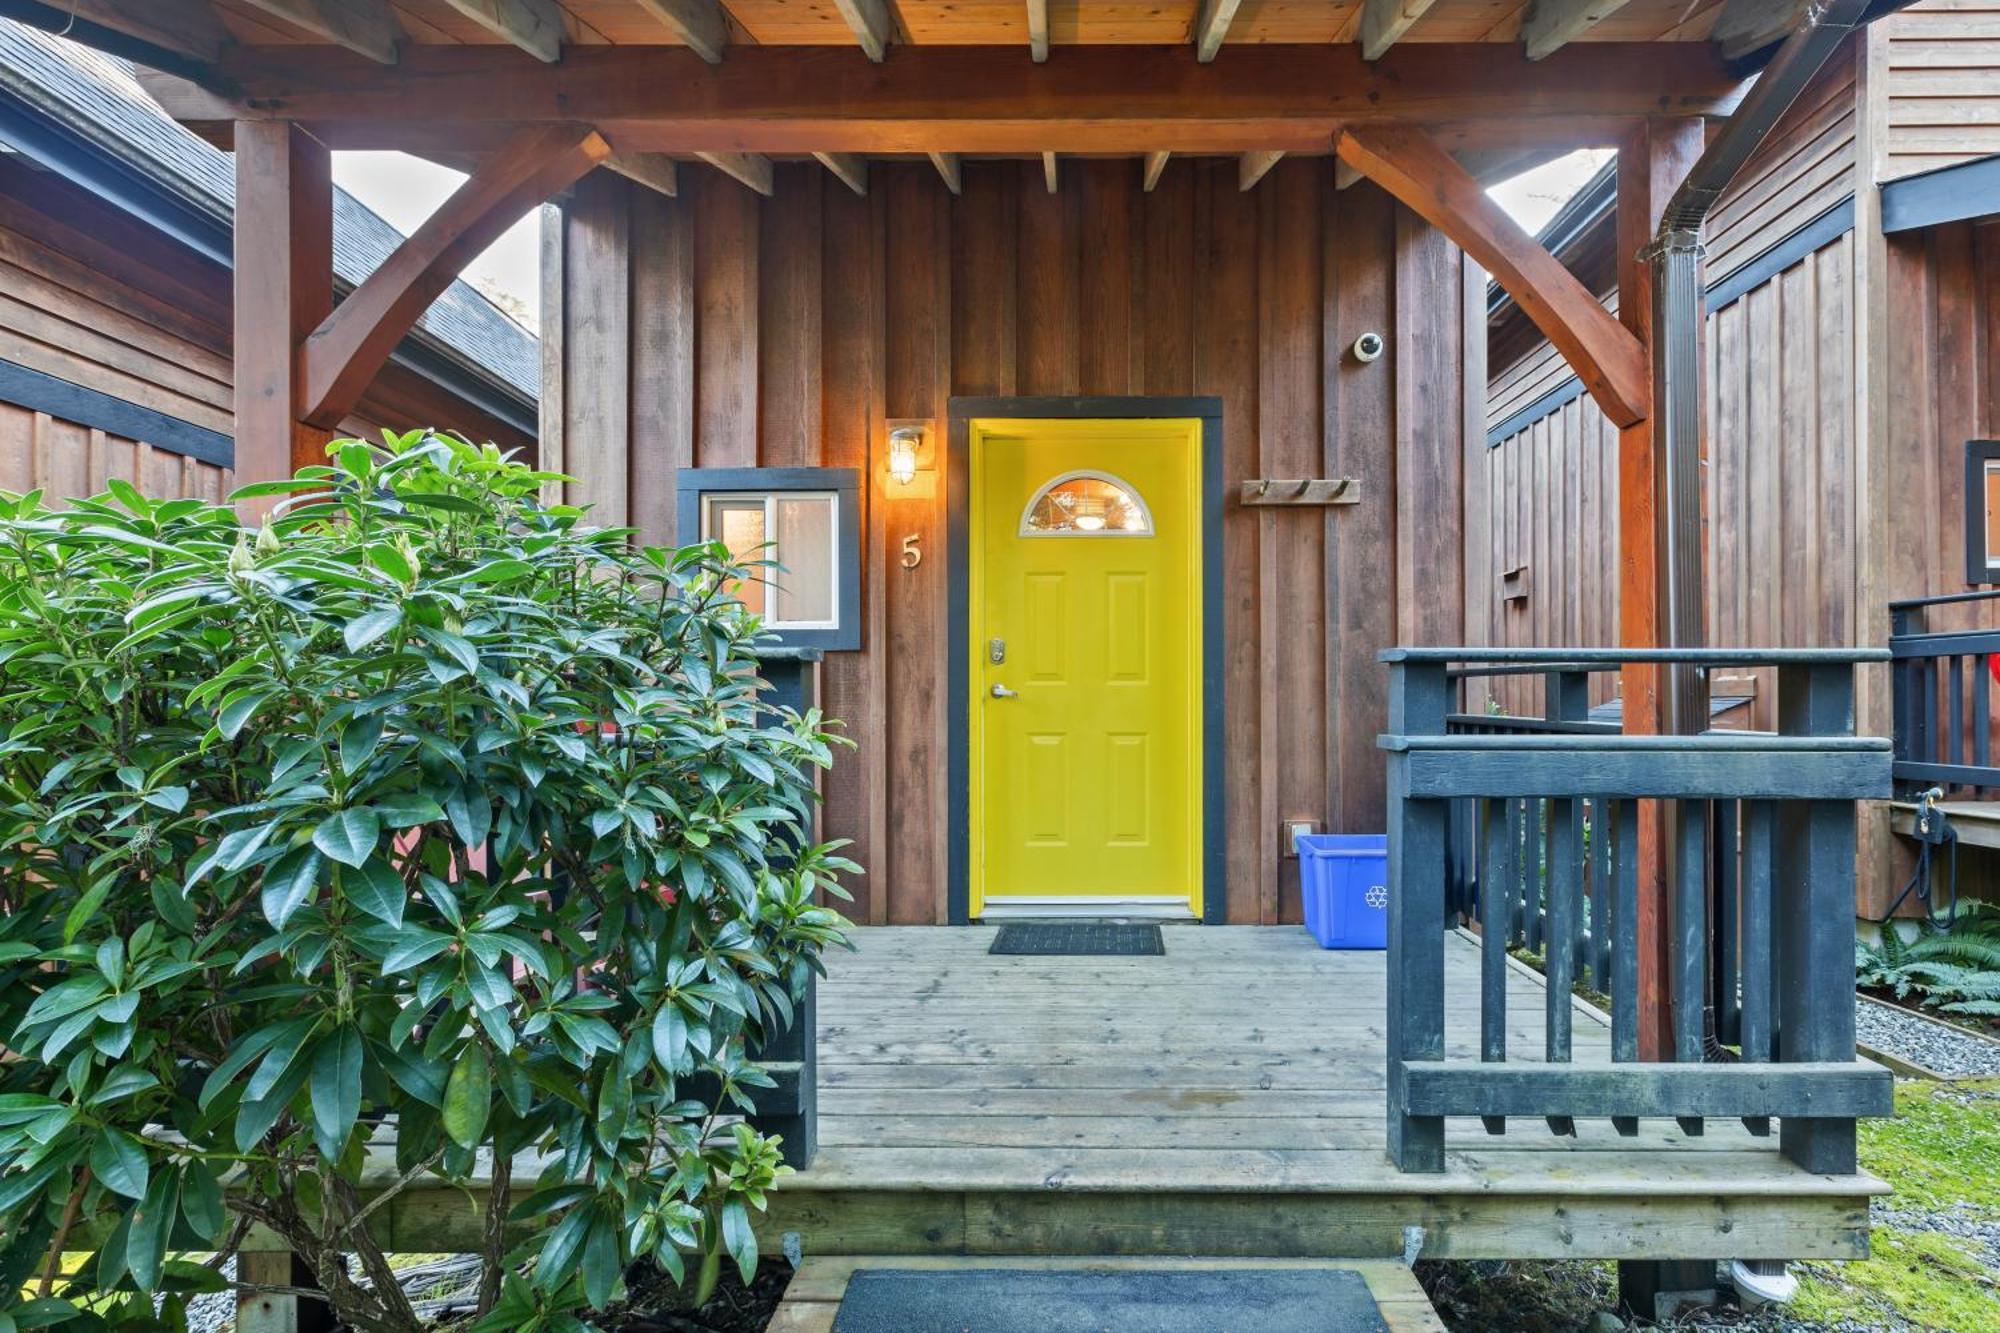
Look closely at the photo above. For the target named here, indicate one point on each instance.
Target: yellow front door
(1084, 607)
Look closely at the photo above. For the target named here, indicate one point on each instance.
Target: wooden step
(813, 1298)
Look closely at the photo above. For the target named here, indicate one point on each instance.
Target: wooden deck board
(1228, 1098)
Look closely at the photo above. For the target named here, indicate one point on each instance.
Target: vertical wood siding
(720, 329)
(1779, 490)
(38, 451)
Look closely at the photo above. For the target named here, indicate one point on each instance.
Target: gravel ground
(1953, 1054)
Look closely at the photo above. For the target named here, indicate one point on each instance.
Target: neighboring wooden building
(1851, 278)
(116, 305)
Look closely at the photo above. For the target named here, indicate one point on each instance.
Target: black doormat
(1003, 1300)
(1079, 939)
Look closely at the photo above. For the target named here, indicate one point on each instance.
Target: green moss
(1921, 1278)
(1942, 1148)
(1941, 1151)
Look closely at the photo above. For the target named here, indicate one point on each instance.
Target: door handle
(1002, 692)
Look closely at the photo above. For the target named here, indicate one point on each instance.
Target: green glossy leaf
(369, 626)
(376, 889)
(336, 1089)
(289, 884)
(468, 1098)
(348, 837)
(740, 1239)
(119, 1162)
(152, 1221)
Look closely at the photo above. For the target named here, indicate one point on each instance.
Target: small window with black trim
(798, 528)
(1982, 512)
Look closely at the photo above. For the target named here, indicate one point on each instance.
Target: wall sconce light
(903, 442)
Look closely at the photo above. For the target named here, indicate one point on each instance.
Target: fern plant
(1957, 971)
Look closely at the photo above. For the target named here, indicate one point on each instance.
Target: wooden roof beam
(1605, 354)
(872, 23)
(1211, 27)
(1552, 24)
(185, 27)
(1095, 99)
(699, 23)
(1155, 164)
(655, 171)
(947, 167)
(339, 359)
(535, 26)
(1383, 23)
(1038, 30)
(1745, 26)
(750, 169)
(1253, 167)
(366, 27)
(851, 168)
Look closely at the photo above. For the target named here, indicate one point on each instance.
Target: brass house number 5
(912, 557)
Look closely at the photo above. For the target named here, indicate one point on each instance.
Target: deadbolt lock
(996, 651)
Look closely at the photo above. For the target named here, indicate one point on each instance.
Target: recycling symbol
(1377, 896)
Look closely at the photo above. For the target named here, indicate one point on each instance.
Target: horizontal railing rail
(1941, 692)
(1545, 833)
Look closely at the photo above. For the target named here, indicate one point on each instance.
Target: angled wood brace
(338, 359)
(1409, 164)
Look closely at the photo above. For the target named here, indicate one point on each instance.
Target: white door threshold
(1163, 908)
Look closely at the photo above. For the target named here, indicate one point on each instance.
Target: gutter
(1678, 299)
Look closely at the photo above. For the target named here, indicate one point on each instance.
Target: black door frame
(962, 412)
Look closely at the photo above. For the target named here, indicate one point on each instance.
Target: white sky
(405, 189)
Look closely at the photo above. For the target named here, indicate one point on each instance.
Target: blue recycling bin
(1345, 882)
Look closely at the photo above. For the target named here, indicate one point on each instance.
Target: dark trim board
(95, 410)
(963, 411)
(1946, 194)
(1739, 282)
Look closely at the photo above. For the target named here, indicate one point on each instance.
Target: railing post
(1813, 917)
(1419, 698)
(791, 1056)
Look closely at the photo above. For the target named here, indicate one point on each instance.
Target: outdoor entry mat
(1208, 1300)
(1079, 939)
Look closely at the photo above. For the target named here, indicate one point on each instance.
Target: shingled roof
(96, 97)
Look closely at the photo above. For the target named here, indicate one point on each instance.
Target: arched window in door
(1086, 504)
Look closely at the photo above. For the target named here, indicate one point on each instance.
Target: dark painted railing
(1942, 693)
(1758, 838)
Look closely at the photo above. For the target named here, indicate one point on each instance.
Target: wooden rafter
(1383, 23)
(655, 171)
(1051, 176)
(185, 27)
(535, 26)
(1155, 164)
(1038, 30)
(1605, 355)
(1553, 23)
(1253, 167)
(699, 23)
(366, 27)
(750, 169)
(947, 167)
(341, 356)
(1745, 26)
(874, 26)
(851, 168)
(1095, 99)
(1211, 27)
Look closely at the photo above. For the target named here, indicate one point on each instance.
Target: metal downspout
(1678, 314)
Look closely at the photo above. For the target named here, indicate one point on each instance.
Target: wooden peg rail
(1301, 491)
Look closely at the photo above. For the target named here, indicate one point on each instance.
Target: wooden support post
(1813, 917)
(1651, 162)
(1419, 698)
(278, 1312)
(797, 1119)
(284, 288)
